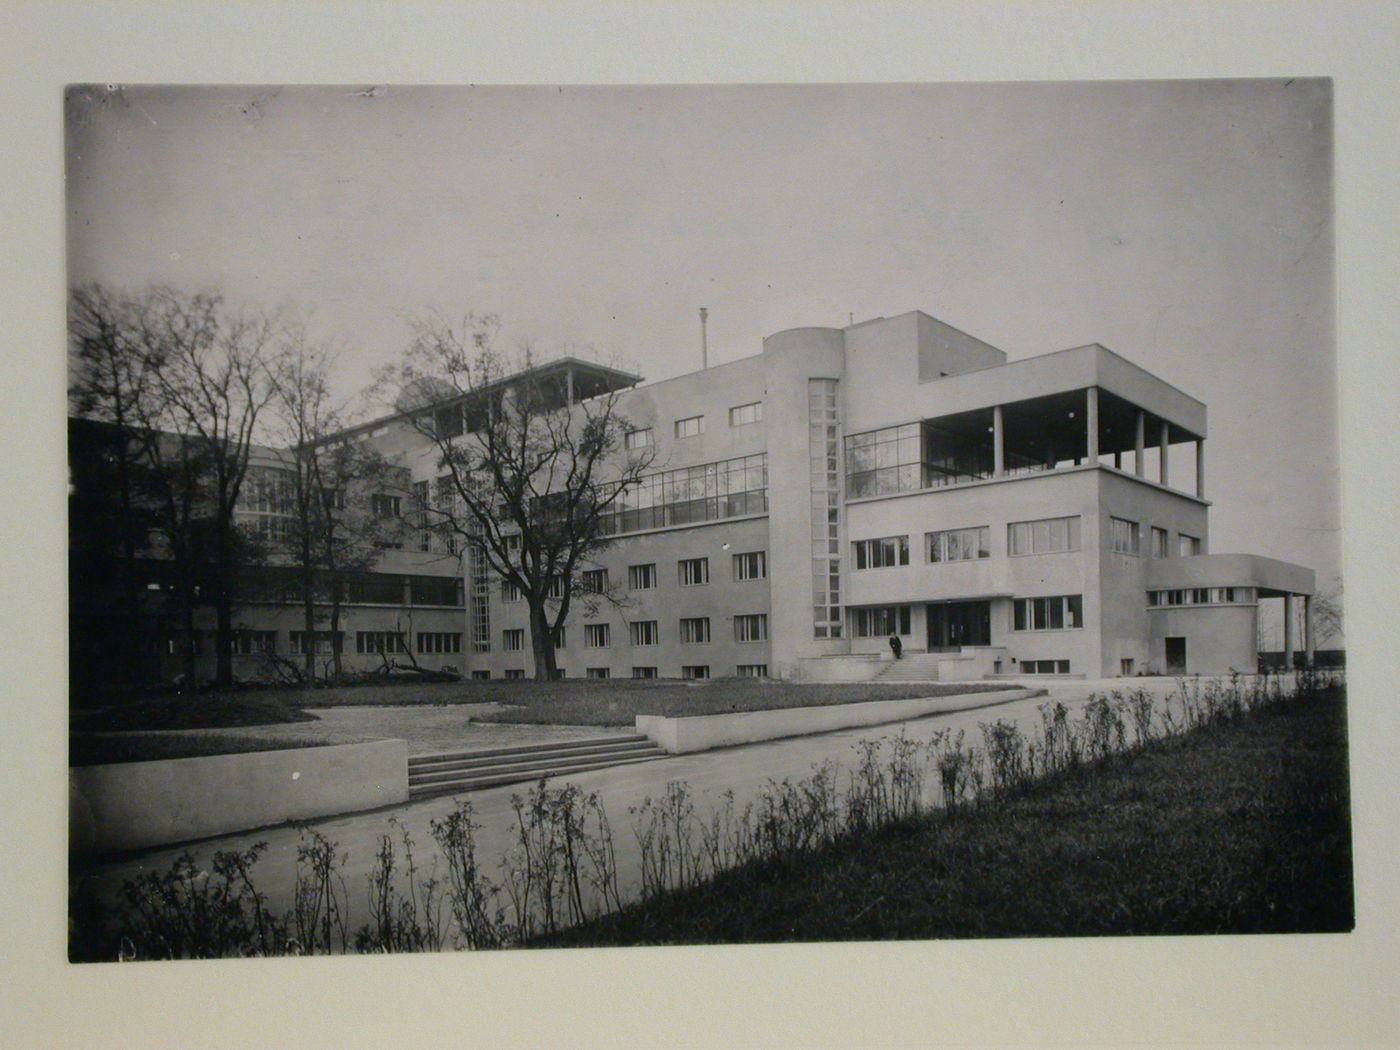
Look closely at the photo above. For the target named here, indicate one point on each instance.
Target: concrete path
(743, 770)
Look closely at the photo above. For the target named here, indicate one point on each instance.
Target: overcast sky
(1185, 225)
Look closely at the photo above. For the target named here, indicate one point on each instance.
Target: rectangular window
(1045, 667)
(513, 640)
(691, 426)
(380, 642)
(1058, 613)
(882, 553)
(439, 642)
(881, 621)
(595, 581)
(743, 415)
(560, 638)
(384, 505)
(1187, 546)
(644, 672)
(644, 632)
(730, 488)
(556, 588)
(481, 676)
(752, 670)
(322, 641)
(597, 672)
(509, 592)
(1045, 536)
(1160, 541)
(695, 630)
(515, 672)
(959, 544)
(751, 627)
(695, 671)
(751, 566)
(694, 571)
(641, 577)
(639, 438)
(1126, 666)
(596, 635)
(1124, 536)
(249, 642)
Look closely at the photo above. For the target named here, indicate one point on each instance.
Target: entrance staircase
(913, 667)
(460, 771)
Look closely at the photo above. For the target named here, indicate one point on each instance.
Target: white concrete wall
(138, 804)
(1219, 638)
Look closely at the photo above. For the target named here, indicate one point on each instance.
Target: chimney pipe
(704, 343)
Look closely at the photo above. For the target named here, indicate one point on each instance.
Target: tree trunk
(542, 643)
(308, 610)
(223, 610)
(335, 638)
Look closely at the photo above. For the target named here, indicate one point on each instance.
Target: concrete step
(919, 668)
(528, 766)
(500, 779)
(530, 749)
(506, 757)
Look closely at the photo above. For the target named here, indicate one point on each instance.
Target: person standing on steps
(896, 646)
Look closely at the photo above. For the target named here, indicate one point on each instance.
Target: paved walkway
(743, 770)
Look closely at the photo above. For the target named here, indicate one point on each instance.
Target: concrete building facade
(1046, 516)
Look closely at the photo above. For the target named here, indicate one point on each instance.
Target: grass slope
(1238, 828)
(102, 749)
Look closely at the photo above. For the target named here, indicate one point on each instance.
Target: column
(1118, 461)
(1140, 444)
(1309, 642)
(1162, 453)
(998, 444)
(1201, 468)
(569, 378)
(1091, 423)
(1288, 632)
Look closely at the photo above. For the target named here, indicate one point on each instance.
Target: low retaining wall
(846, 668)
(137, 804)
(702, 732)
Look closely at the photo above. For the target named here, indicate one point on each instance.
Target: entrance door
(1176, 655)
(951, 625)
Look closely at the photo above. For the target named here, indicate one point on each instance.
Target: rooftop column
(1288, 632)
(1091, 422)
(1201, 468)
(569, 379)
(998, 444)
(1309, 642)
(1140, 444)
(1162, 452)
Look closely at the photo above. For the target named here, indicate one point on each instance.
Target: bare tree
(1327, 613)
(331, 535)
(535, 476)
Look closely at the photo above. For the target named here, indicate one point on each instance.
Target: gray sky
(1185, 225)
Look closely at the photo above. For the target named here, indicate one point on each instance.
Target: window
(729, 488)
(695, 671)
(880, 622)
(559, 637)
(555, 589)
(596, 635)
(437, 590)
(513, 640)
(439, 642)
(249, 642)
(882, 553)
(751, 627)
(380, 642)
(694, 571)
(1160, 540)
(743, 415)
(595, 581)
(823, 475)
(644, 632)
(1126, 666)
(641, 577)
(1202, 596)
(639, 438)
(691, 426)
(752, 670)
(597, 672)
(481, 676)
(751, 566)
(1045, 666)
(959, 544)
(1187, 546)
(1124, 536)
(321, 640)
(384, 506)
(695, 630)
(515, 672)
(1046, 536)
(644, 672)
(1058, 613)
(510, 592)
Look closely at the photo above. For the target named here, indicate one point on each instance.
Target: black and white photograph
(511, 521)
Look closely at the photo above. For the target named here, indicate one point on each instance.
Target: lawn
(101, 748)
(569, 702)
(610, 703)
(1235, 828)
